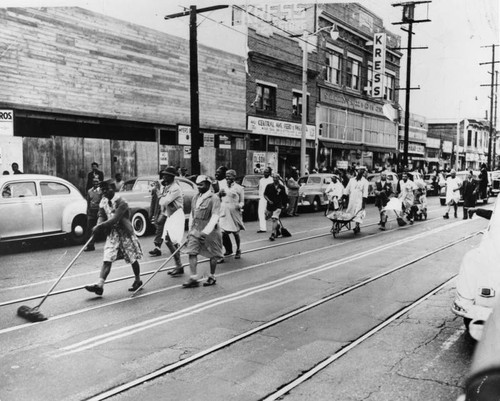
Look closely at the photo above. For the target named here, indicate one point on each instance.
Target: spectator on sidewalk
(263, 183)
(94, 196)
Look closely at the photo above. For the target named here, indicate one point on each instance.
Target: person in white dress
(263, 183)
(453, 185)
(357, 190)
(406, 195)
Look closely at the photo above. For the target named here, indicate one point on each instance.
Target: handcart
(341, 219)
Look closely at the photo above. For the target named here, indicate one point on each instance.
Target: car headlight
(487, 292)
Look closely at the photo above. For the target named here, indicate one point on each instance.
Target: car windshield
(302, 180)
(251, 181)
(128, 185)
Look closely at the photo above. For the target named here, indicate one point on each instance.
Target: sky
(448, 73)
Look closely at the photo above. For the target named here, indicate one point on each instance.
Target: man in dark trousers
(469, 191)
(277, 199)
(94, 173)
(383, 189)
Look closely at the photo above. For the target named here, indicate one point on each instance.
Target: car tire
(485, 201)
(316, 204)
(76, 236)
(443, 202)
(139, 223)
(467, 323)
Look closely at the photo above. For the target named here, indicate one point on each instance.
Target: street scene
(264, 201)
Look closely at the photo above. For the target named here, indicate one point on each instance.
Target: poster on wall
(164, 158)
(224, 142)
(187, 152)
(259, 162)
(7, 122)
(184, 133)
(209, 140)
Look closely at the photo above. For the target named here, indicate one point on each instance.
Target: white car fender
(78, 207)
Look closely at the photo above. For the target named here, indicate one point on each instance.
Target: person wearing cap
(453, 185)
(383, 190)
(357, 191)
(276, 201)
(171, 208)
(114, 220)
(94, 196)
(231, 219)
(157, 217)
(334, 191)
(204, 236)
(263, 183)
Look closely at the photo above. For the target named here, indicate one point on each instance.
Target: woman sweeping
(357, 190)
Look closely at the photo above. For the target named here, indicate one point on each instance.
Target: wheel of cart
(340, 219)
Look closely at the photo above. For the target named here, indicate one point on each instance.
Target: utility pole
(196, 139)
(495, 121)
(491, 100)
(408, 18)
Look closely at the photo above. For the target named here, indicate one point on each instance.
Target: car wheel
(443, 202)
(316, 204)
(467, 323)
(485, 201)
(139, 223)
(78, 234)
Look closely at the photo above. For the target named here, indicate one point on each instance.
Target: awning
(339, 145)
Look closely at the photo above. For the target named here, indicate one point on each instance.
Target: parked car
(478, 281)
(250, 185)
(137, 192)
(374, 177)
(431, 184)
(312, 191)
(494, 182)
(461, 175)
(37, 205)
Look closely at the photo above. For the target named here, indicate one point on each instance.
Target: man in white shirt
(407, 190)
(334, 192)
(263, 183)
(453, 185)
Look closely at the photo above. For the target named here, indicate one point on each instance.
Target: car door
(188, 191)
(55, 197)
(20, 209)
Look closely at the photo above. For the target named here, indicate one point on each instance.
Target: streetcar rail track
(323, 364)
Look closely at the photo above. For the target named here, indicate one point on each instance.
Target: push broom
(159, 268)
(34, 314)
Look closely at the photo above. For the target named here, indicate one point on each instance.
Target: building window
(297, 104)
(475, 139)
(334, 68)
(469, 137)
(389, 87)
(353, 74)
(265, 99)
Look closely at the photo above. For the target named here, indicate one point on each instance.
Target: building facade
(417, 143)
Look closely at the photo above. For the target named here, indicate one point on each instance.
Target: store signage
(209, 140)
(345, 101)
(379, 45)
(184, 135)
(434, 143)
(224, 142)
(447, 147)
(264, 126)
(412, 148)
(342, 164)
(6, 122)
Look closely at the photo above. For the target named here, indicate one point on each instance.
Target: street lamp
(334, 34)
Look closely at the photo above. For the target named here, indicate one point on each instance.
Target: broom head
(31, 314)
(285, 232)
(401, 222)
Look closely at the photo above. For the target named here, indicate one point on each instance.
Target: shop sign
(184, 135)
(412, 148)
(447, 146)
(379, 44)
(434, 143)
(208, 140)
(224, 142)
(6, 122)
(345, 101)
(342, 164)
(264, 126)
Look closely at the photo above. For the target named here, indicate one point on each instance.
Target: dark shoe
(228, 253)
(455, 215)
(209, 282)
(471, 213)
(220, 260)
(135, 285)
(191, 283)
(356, 230)
(95, 289)
(446, 216)
(382, 228)
(411, 222)
(237, 254)
(155, 252)
(176, 272)
(296, 214)
(272, 237)
(89, 248)
(261, 231)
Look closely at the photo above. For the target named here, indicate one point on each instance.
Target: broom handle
(159, 268)
(65, 271)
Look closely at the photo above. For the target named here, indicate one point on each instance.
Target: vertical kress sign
(379, 44)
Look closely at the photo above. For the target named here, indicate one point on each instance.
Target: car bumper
(477, 314)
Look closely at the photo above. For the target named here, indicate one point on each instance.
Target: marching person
(171, 207)
(157, 217)
(383, 190)
(231, 219)
(293, 193)
(204, 235)
(119, 182)
(220, 179)
(334, 191)
(114, 220)
(406, 195)
(94, 196)
(357, 190)
(483, 181)
(276, 200)
(263, 183)
(94, 173)
(452, 193)
(469, 191)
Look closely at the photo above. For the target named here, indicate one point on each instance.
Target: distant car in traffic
(462, 176)
(312, 191)
(250, 184)
(137, 192)
(431, 184)
(494, 182)
(37, 205)
(478, 281)
(372, 178)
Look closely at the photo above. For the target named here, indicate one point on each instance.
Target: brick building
(83, 87)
